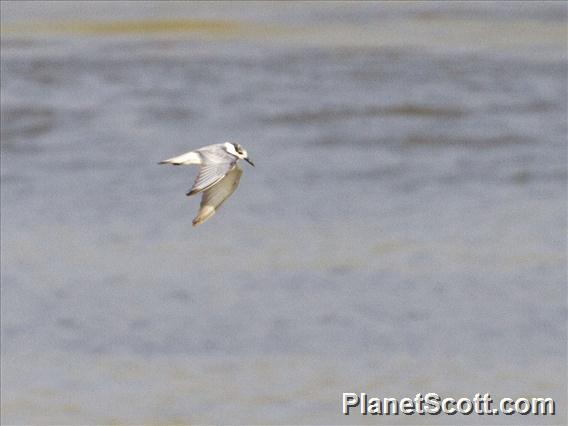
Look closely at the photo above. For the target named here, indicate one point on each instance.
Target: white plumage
(218, 177)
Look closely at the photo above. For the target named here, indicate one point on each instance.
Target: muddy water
(403, 231)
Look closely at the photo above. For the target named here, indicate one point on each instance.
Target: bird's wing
(217, 194)
(215, 164)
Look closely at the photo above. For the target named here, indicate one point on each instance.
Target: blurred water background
(404, 230)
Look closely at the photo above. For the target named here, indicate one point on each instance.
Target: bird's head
(238, 151)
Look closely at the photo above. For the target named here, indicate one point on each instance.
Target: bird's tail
(187, 158)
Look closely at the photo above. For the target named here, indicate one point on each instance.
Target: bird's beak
(249, 161)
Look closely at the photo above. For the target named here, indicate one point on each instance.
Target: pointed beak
(249, 161)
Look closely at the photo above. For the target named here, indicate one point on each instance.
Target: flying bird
(218, 177)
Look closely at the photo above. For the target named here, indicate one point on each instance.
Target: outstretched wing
(217, 194)
(215, 164)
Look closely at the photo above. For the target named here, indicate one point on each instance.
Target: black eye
(238, 149)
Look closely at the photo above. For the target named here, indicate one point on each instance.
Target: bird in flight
(218, 177)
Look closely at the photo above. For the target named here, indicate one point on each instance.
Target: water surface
(404, 230)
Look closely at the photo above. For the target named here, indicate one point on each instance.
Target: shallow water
(404, 230)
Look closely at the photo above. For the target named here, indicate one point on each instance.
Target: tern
(218, 176)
